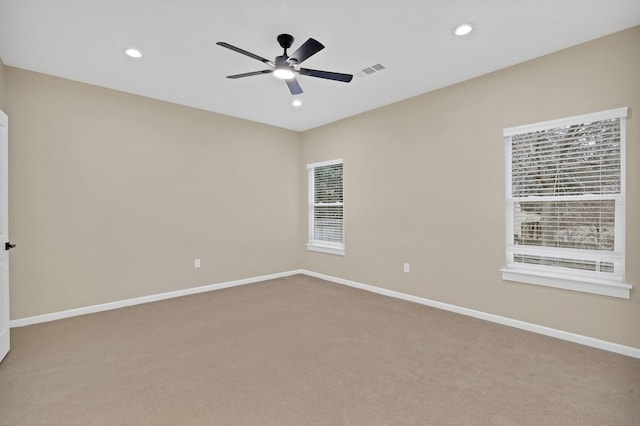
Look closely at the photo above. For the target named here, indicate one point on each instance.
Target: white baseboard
(552, 332)
(140, 300)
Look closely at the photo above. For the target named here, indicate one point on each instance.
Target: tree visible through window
(565, 203)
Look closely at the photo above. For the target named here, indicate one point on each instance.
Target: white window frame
(608, 284)
(313, 244)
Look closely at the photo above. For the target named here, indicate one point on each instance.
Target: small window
(565, 203)
(326, 207)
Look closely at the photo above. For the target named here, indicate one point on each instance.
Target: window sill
(586, 285)
(326, 249)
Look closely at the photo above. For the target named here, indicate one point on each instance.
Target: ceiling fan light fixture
(283, 70)
(283, 73)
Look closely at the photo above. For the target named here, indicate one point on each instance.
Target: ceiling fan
(284, 66)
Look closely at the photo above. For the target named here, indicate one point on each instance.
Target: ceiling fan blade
(249, 74)
(308, 48)
(326, 74)
(294, 87)
(244, 52)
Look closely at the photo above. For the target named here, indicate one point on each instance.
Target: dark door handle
(8, 246)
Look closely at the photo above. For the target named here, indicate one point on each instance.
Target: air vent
(370, 70)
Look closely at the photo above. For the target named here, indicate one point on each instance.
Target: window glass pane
(566, 224)
(585, 265)
(328, 223)
(572, 160)
(328, 184)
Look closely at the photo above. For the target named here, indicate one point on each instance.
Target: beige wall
(113, 196)
(424, 184)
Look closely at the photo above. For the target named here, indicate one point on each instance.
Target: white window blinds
(565, 199)
(326, 207)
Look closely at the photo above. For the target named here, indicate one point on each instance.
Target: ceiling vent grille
(371, 70)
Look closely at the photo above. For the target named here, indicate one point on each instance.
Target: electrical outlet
(196, 263)
(405, 268)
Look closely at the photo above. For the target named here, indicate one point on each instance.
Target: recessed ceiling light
(133, 53)
(296, 103)
(463, 29)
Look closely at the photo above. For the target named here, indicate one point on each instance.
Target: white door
(4, 235)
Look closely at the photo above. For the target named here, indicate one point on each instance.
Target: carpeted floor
(302, 351)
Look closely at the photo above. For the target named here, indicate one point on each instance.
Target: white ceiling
(84, 40)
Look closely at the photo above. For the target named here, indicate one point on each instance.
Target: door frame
(4, 236)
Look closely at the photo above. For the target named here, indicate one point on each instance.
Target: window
(565, 203)
(326, 207)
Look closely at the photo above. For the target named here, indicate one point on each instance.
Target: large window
(326, 207)
(565, 203)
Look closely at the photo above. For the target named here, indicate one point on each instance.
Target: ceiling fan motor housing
(282, 62)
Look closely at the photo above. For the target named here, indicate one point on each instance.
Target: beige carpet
(300, 351)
